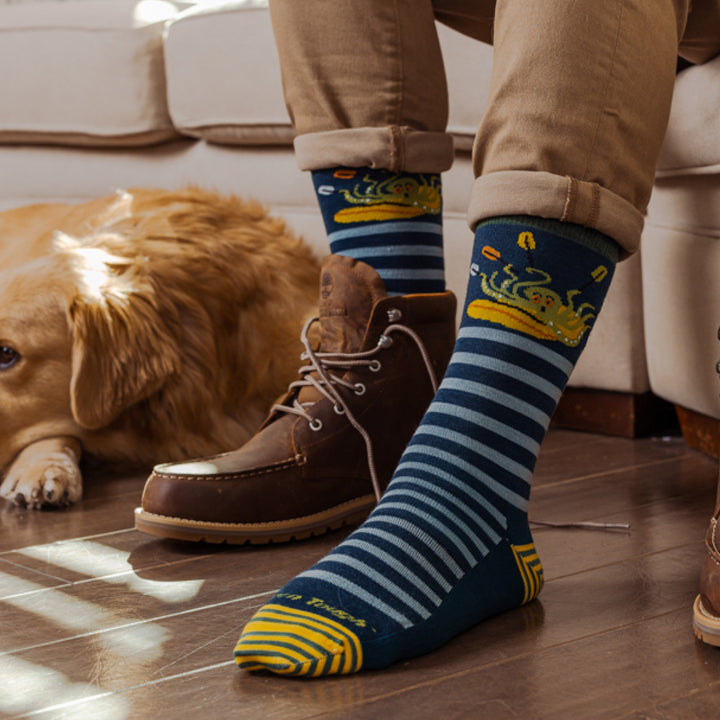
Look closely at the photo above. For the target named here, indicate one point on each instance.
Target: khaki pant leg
(364, 83)
(579, 102)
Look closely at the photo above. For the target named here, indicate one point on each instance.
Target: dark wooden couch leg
(699, 431)
(614, 413)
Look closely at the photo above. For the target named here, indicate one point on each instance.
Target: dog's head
(80, 341)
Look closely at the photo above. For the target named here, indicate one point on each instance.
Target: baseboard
(615, 413)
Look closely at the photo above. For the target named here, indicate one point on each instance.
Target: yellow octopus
(398, 196)
(529, 306)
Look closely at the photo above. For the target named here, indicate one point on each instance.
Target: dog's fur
(149, 326)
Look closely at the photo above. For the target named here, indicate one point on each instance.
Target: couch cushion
(223, 76)
(224, 80)
(692, 141)
(681, 287)
(84, 72)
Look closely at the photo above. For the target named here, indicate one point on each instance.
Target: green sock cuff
(588, 237)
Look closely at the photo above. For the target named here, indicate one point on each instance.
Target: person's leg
(579, 101)
(380, 200)
(366, 91)
(700, 43)
(391, 221)
(449, 544)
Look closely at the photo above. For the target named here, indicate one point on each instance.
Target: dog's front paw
(44, 474)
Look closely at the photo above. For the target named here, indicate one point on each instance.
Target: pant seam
(397, 146)
(595, 206)
(396, 134)
(608, 84)
(570, 200)
(400, 70)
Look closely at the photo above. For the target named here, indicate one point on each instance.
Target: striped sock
(391, 221)
(449, 543)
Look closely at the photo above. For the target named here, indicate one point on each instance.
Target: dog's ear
(122, 349)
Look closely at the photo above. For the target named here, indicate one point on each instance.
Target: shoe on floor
(328, 449)
(706, 609)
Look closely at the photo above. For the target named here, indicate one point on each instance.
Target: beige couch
(109, 94)
(681, 259)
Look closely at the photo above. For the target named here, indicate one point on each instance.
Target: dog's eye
(8, 357)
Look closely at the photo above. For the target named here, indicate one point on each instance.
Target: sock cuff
(585, 236)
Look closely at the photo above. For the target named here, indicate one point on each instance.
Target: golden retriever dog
(143, 327)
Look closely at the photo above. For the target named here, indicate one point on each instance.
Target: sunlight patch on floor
(26, 688)
(96, 560)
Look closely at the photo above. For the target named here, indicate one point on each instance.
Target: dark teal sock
(449, 543)
(391, 221)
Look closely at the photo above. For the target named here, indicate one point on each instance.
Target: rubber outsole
(350, 513)
(705, 625)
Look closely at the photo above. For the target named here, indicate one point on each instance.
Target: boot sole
(705, 625)
(281, 531)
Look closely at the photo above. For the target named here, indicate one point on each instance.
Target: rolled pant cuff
(527, 192)
(392, 148)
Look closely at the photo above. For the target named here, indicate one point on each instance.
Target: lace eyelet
(339, 410)
(360, 389)
(315, 425)
(394, 314)
(375, 366)
(385, 342)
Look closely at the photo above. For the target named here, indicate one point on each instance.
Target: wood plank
(107, 507)
(700, 705)
(114, 624)
(594, 455)
(585, 610)
(597, 678)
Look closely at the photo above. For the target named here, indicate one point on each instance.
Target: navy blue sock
(391, 221)
(449, 544)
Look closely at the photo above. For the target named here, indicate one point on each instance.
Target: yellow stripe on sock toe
(287, 641)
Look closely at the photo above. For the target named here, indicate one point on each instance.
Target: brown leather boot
(706, 609)
(329, 448)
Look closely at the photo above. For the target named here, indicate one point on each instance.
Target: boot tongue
(349, 290)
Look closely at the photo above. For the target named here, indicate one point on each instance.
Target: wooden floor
(99, 621)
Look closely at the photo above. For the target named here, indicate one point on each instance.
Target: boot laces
(325, 373)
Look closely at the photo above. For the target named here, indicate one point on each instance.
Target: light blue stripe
(495, 487)
(395, 564)
(411, 529)
(455, 482)
(513, 467)
(516, 340)
(448, 513)
(480, 390)
(338, 580)
(401, 226)
(416, 553)
(339, 558)
(432, 522)
(393, 250)
(507, 368)
(486, 422)
(425, 274)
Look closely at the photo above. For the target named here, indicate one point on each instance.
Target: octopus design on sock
(531, 306)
